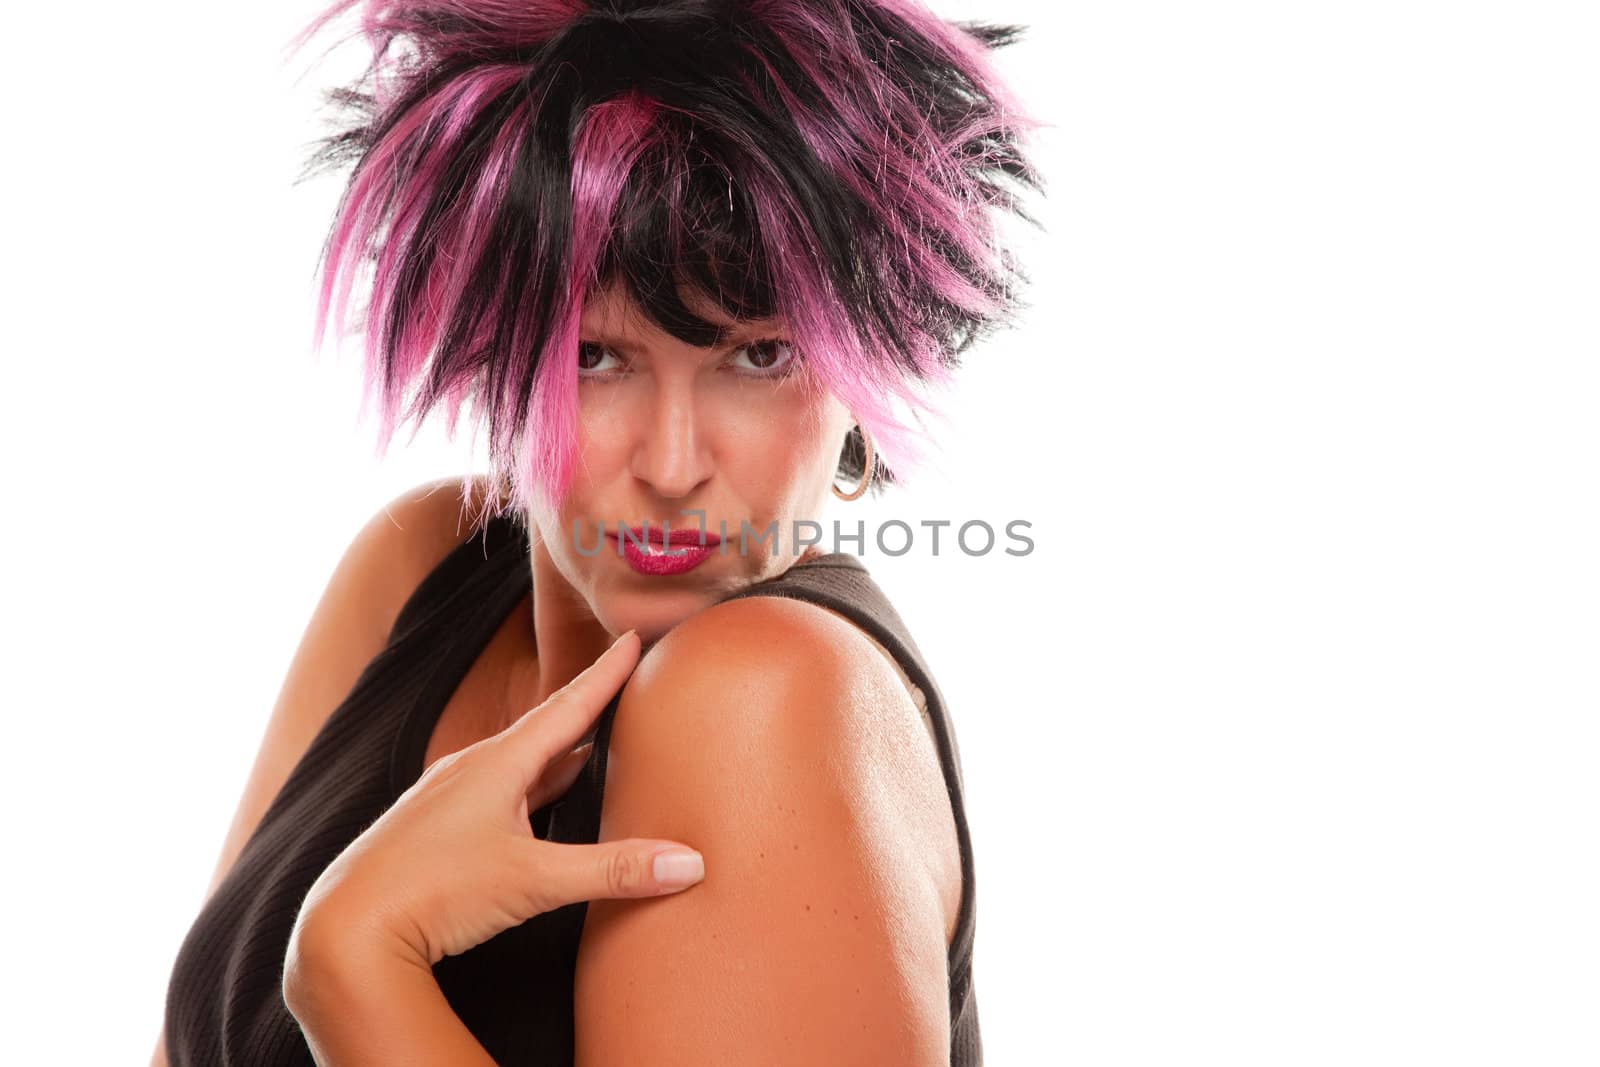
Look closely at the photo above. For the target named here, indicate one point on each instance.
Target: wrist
(332, 960)
(366, 1002)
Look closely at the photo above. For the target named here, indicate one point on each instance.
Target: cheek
(608, 420)
(775, 442)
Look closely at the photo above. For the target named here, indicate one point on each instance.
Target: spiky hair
(835, 164)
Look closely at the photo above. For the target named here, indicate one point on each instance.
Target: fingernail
(678, 868)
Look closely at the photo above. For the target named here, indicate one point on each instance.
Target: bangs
(833, 164)
(679, 229)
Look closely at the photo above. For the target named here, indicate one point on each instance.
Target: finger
(559, 778)
(633, 867)
(556, 725)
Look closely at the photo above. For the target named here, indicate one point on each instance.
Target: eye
(590, 355)
(770, 357)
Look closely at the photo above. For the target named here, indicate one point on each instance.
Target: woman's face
(742, 432)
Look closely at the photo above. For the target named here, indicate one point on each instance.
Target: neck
(567, 636)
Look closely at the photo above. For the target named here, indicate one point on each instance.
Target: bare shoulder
(759, 682)
(789, 678)
(411, 534)
(779, 647)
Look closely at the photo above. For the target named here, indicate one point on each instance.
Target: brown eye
(768, 356)
(590, 353)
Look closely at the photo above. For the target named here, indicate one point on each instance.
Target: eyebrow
(737, 333)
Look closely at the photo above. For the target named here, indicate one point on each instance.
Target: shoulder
(770, 686)
(411, 534)
(772, 736)
(427, 521)
(777, 669)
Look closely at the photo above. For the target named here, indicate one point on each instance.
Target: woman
(689, 258)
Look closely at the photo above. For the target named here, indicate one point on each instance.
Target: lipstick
(661, 557)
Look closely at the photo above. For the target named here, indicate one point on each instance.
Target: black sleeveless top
(224, 1005)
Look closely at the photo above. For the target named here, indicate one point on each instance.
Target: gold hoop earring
(866, 472)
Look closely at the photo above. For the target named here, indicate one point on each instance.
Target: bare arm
(771, 736)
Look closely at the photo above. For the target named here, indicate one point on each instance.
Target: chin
(651, 612)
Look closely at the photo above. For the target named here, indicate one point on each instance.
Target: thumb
(631, 867)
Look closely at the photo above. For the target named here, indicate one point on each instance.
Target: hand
(454, 861)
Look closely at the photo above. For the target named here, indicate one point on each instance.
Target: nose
(671, 452)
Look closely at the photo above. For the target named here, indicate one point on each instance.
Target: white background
(1281, 745)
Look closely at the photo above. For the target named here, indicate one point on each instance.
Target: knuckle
(449, 764)
(535, 883)
(623, 873)
(439, 766)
